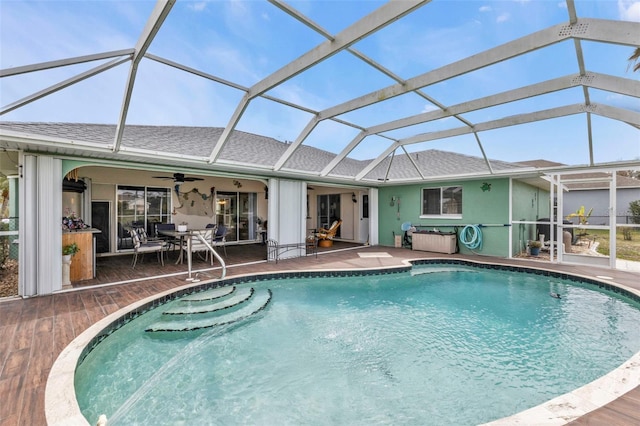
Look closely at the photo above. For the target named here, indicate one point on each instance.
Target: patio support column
(613, 219)
(40, 226)
(287, 213)
(374, 201)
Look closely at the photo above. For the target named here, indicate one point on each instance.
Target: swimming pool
(443, 344)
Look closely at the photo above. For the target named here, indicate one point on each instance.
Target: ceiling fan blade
(192, 179)
(162, 177)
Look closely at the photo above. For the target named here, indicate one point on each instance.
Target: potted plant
(534, 247)
(68, 252)
(70, 249)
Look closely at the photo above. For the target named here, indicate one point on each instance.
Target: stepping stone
(236, 298)
(257, 304)
(214, 293)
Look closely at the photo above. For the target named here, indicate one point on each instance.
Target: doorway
(364, 218)
(328, 211)
(100, 214)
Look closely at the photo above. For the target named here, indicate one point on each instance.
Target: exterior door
(363, 236)
(100, 214)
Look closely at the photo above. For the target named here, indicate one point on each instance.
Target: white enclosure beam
(599, 81)
(371, 23)
(590, 139)
(316, 27)
(237, 114)
(301, 137)
(8, 72)
(373, 164)
(63, 84)
(413, 162)
(157, 17)
(376, 20)
(236, 86)
(489, 125)
(626, 115)
(497, 124)
(589, 29)
(338, 158)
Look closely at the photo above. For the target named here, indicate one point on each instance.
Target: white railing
(211, 249)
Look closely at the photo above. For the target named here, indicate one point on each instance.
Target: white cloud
(503, 17)
(429, 108)
(485, 9)
(562, 5)
(197, 6)
(629, 10)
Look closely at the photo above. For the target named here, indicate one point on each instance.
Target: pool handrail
(200, 237)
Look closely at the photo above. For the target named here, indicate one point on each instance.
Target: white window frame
(441, 214)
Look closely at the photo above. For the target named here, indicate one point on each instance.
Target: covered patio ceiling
(372, 85)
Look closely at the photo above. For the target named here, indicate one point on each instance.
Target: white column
(613, 219)
(28, 225)
(374, 200)
(40, 226)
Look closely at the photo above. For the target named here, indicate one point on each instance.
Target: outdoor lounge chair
(325, 236)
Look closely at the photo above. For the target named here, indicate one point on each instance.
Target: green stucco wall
(478, 207)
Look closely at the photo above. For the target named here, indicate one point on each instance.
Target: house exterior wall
(478, 207)
(105, 180)
(598, 199)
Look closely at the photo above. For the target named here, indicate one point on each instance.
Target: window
(442, 201)
(365, 206)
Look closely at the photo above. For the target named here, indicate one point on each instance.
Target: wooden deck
(33, 331)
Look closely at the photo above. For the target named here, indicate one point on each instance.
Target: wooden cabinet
(82, 262)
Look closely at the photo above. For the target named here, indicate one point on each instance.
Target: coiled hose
(471, 237)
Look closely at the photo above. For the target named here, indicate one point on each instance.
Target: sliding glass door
(328, 210)
(238, 212)
(143, 207)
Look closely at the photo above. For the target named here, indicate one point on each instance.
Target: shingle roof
(621, 181)
(255, 150)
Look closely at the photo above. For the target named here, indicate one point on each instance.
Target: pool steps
(214, 293)
(235, 298)
(256, 302)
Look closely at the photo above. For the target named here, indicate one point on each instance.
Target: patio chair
(124, 237)
(197, 246)
(408, 234)
(220, 238)
(325, 236)
(171, 242)
(140, 247)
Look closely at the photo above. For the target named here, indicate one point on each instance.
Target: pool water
(439, 345)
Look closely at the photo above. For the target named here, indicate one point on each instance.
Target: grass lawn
(626, 250)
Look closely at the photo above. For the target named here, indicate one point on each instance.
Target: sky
(245, 41)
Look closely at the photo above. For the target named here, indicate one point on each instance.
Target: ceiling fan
(179, 178)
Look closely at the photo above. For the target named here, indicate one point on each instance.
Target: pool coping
(61, 405)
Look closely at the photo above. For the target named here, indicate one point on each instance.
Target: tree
(634, 60)
(634, 210)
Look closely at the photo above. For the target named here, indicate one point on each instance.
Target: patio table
(182, 235)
